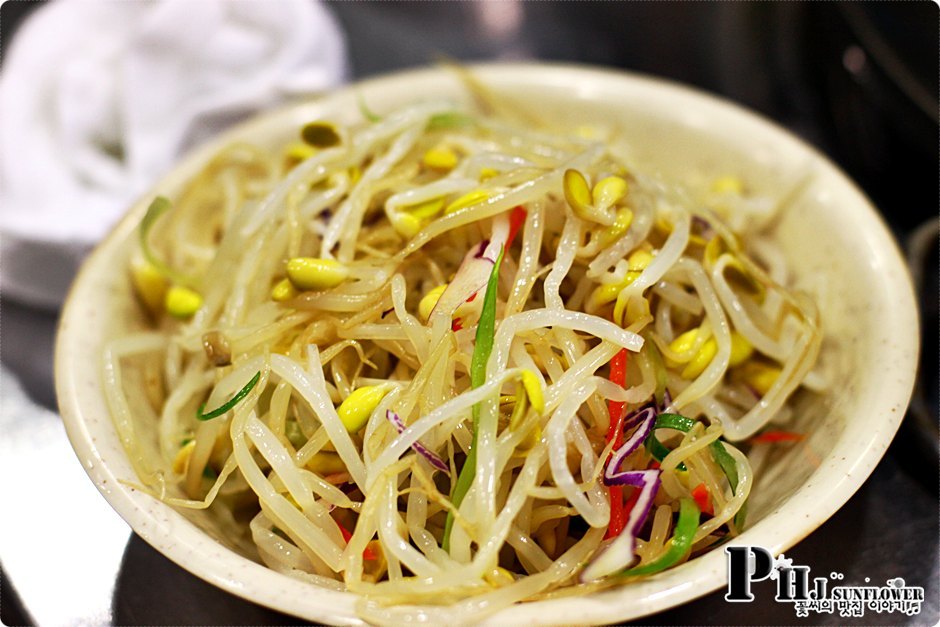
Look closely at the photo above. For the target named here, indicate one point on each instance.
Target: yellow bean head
(609, 191)
(701, 360)
(577, 192)
(320, 134)
(637, 307)
(487, 173)
(427, 208)
(283, 290)
(468, 199)
(311, 273)
(684, 342)
(741, 349)
(639, 259)
(149, 283)
(604, 294)
(406, 224)
(354, 412)
(615, 231)
(182, 302)
(760, 376)
(440, 159)
(728, 185)
(533, 389)
(297, 152)
(325, 464)
(428, 302)
(181, 461)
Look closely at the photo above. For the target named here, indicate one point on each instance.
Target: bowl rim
(182, 542)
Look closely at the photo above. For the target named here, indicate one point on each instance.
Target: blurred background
(858, 80)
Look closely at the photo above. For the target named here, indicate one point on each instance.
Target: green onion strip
(157, 208)
(679, 545)
(486, 334)
(719, 453)
(235, 400)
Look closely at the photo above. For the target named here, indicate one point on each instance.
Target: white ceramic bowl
(834, 241)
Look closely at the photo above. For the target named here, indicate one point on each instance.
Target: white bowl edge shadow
(840, 473)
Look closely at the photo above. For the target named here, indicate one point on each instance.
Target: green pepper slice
(679, 545)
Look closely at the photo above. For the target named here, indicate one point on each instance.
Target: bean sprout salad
(450, 361)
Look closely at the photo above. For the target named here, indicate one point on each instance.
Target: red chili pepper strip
(702, 499)
(618, 516)
(368, 554)
(769, 437)
(618, 375)
(516, 218)
(618, 512)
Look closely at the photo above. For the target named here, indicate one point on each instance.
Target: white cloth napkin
(98, 98)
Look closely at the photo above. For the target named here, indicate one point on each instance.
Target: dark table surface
(786, 60)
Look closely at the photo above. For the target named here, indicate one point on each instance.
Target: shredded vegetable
(772, 437)
(404, 326)
(424, 451)
(481, 354)
(159, 206)
(618, 375)
(228, 405)
(680, 544)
